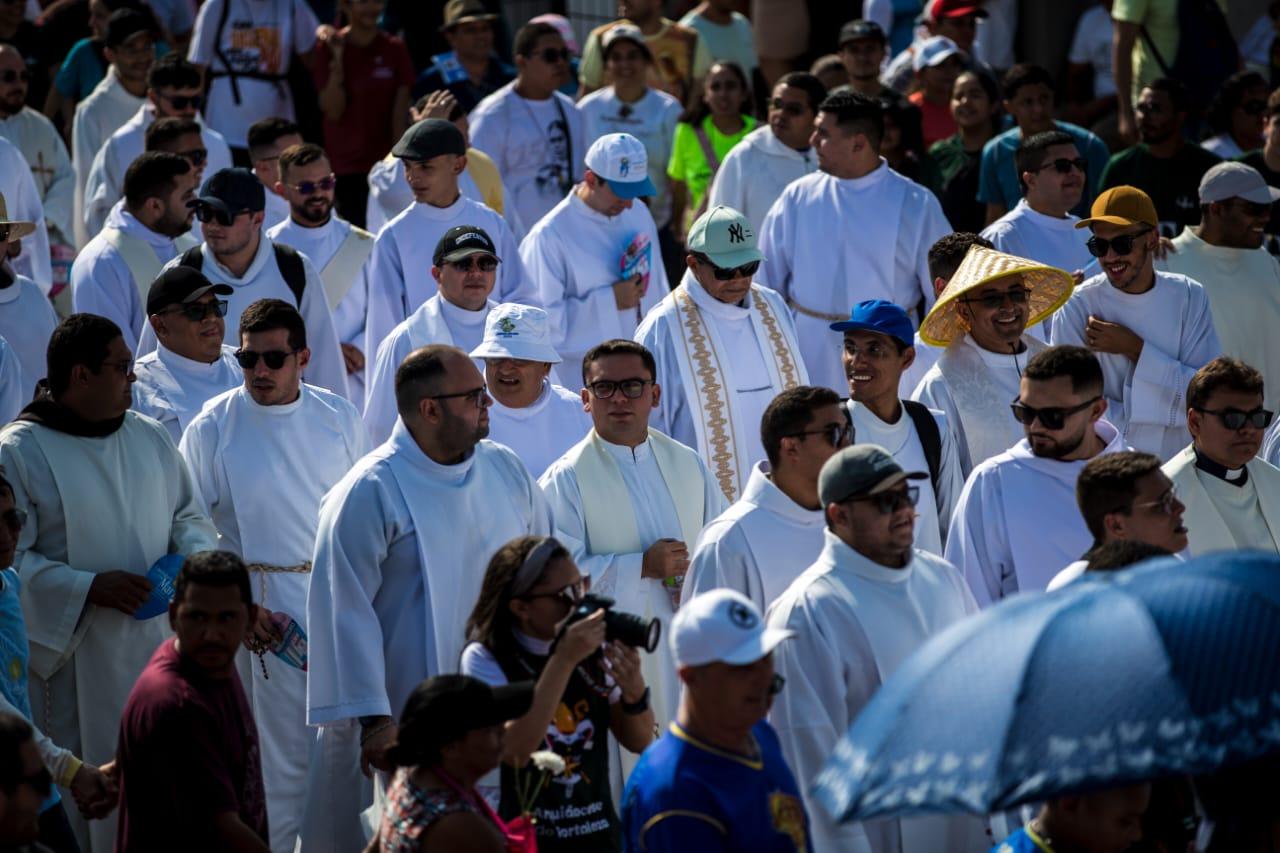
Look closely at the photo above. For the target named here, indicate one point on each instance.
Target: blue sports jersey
(688, 795)
(1022, 841)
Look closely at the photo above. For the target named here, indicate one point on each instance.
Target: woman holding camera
(585, 688)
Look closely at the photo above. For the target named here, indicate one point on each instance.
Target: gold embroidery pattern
(710, 394)
(781, 352)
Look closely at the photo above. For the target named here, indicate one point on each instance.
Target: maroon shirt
(371, 75)
(188, 752)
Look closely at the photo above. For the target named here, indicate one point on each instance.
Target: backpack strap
(708, 151)
(930, 437)
(291, 269)
(192, 257)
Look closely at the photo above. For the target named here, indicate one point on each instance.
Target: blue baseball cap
(879, 315)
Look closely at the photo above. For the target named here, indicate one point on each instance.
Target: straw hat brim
(18, 230)
(1050, 289)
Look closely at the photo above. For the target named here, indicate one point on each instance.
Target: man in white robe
(27, 318)
(629, 502)
(530, 414)
(190, 365)
(725, 348)
(237, 252)
(1017, 524)
(1151, 330)
(981, 318)
(401, 549)
(262, 456)
(866, 603)
(130, 50)
(876, 348)
(338, 249)
(465, 268)
(268, 139)
(12, 397)
(112, 274)
(22, 197)
(106, 495)
(594, 258)
(41, 145)
(1242, 279)
(854, 230)
(1232, 497)
(761, 543)
(174, 90)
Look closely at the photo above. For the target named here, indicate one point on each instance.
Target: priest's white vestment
(12, 397)
(173, 389)
(101, 114)
(1222, 516)
(45, 152)
(27, 319)
(389, 193)
(543, 431)
(22, 203)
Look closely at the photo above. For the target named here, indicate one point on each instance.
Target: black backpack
(1207, 53)
(926, 430)
(288, 261)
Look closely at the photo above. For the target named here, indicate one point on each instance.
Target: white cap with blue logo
(622, 161)
(517, 331)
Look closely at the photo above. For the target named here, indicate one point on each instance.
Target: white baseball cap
(517, 331)
(722, 626)
(1236, 180)
(934, 51)
(622, 161)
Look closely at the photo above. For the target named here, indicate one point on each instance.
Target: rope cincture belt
(817, 315)
(263, 570)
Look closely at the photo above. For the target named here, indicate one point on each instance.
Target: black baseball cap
(124, 24)
(460, 241)
(234, 191)
(180, 286)
(430, 138)
(861, 29)
(446, 707)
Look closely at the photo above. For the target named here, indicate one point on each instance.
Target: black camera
(626, 628)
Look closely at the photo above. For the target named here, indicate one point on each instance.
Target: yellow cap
(1122, 206)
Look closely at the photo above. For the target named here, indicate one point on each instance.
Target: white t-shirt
(258, 37)
(1092, 46)
(652, 120)
(1036, 236)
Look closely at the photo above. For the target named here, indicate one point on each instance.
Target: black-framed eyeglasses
(994, 301)
(484, 263)
(324, 184)
(1234, 419)
(731, 273)
(197, 157)
(776, 684)
(631, 388)
(207, 213)
(4, 232)
(891, 501)
(1064, 165)
(1122, 245)
(197, 311)
(9, 76)
(476, 396)
(836, 435)
(41, 782)
(185, 102)
(273, 359)
(791, 108)
(1165, 504)
(572, 593)
(1252, 208)
(1053, 417)
(15, 519)
(1254, 107)
(124, 368)
(552, 55)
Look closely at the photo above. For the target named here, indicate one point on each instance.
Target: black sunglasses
(1234, 419)
(791, 108)
(631, 388)
(1252, 208)
(15, 519)
(273, 359)
(993, 301)
(197, 311)
(1122, 245)
(484, 263)
(552, 55)
(4, 232)
(11, 76)
(207, 213)
(837, 435)
(184, 102)
(325, 184)
(196, 156)
(731, 273)
(892, 501)
(1064, 166)
(1050, 418)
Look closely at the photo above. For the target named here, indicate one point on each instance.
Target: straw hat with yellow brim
(1050, 288)
(12, 230)
(1123, 206)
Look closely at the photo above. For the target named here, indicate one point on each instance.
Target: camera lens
(633, 630)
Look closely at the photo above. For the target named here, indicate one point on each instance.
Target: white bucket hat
(517, 331)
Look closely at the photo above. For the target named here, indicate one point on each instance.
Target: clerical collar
(1239, 477)
(49, 413)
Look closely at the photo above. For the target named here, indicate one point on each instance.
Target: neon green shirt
(688, 162)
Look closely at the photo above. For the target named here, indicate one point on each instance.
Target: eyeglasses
(15, 519)
(1254, 108)
(9, 76)
(197, 311)
(476, 396)
(41, 782)
(791, 108)
(1234, 419)
(1165, 504)
(571, 593)
(553, 55)
(1252, 208)
(1050, 418)
(631, 388)
(1064, 166)
(837, 435)
(484, 263)
(195, 156)
(206, 213)
(1122, 245)
(890, 502)
(185, 102)
(325, 184)
(994, 301)
(124, 368)
(776, 684)
(4, 232)
(731, 273)
(273, 359)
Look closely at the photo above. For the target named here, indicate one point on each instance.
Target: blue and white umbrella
(1170, 667)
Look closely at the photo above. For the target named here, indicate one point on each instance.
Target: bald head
(442, 400)
(13, 82)
(424, 372)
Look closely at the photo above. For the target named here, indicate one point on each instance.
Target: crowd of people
(439, 431)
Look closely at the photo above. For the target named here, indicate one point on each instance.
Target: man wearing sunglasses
(190, 364)
(1017, 522)
(174, 90)
(1150, 330)
(725, 348)
(1232, 496)
(261, 458)
(867, 602)
(268, 138)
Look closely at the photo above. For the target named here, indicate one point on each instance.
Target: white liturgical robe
(1018, 523)
(400, 269)
(755, 172)
(705, 347)
(855, 622)
(543, 431)
(22, 203)
(12, 397)
(758, 546)
(262, 471)
(1222, 515)
(116, 503)
(27, 319)
(173, 389)
(45, 152)
(1147, 401)
(98, 116)
(831, 242)
(389, 193)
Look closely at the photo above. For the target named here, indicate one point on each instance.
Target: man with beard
(1017, 524)
(112, 274)
(339, 250)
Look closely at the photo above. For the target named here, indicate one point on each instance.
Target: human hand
(96, 793)
(1077, 277)
(624, 665)
(353, 358)
(582, 639)
(628, 292)
(264, 633)
(440, 104)
(330, 35)
(373, 749)
(123, 591)
(1164, 248)
(1113, 338)
(665, 558)
(1128, 126)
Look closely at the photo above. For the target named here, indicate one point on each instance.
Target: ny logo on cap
(735, 233)
(624, 166)
(741, 615)
(506, 328)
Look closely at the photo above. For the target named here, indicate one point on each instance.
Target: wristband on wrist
(637, 707)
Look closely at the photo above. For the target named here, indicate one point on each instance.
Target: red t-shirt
(188, 752)
(936, 120)
(371, 75)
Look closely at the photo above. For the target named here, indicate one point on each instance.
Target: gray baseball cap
(1236, 180)
(860, 469)
(430, 138)
(724, 235)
